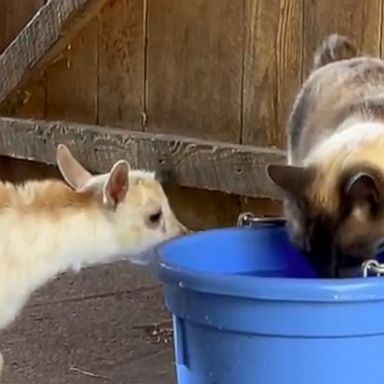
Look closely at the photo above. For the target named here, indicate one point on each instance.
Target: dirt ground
(104, 325)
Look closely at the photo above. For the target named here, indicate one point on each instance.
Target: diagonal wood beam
(47, 33)
(195, 163)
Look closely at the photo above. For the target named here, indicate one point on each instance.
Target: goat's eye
(155, 217)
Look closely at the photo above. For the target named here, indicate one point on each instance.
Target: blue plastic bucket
(247, 310)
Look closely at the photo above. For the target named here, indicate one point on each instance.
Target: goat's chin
(142, 257)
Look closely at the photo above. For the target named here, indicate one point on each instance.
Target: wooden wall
(217, 69)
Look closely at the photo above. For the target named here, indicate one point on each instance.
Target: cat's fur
(333, 185)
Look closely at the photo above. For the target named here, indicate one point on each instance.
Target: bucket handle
(248, 219)
(372, 266)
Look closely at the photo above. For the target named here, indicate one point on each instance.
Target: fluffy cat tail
(334, 48)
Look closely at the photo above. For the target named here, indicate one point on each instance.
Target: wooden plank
(194, 68)
(193, 162)
(359, 20)
(193, 87)
(272, 68)
(200, 209)
(381, 48)
(262, 206)
(42, 39)
(14, 16)
(121, 64)
(17, 170)
(29, 101)
(72, 82)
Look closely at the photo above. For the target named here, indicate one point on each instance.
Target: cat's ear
(362, 187)
(291, 180)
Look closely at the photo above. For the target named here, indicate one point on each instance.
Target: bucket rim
(284, 289)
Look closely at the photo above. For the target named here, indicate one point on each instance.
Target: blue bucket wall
(247, 309)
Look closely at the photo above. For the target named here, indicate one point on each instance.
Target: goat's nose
(184, 230)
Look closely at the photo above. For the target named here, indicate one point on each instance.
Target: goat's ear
(72, 171)
(117, 184)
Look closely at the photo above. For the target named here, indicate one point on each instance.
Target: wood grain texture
(272, 68)
(194, 65)
(193, 88)
(121, 64)
(262, 207)
(17, 170)
(47, 33)
(28, 101)
(31, 98)
(72, 85)
(196, 163)
(14, 16)
(200, 209)
(359, 20)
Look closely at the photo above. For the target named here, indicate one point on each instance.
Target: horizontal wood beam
(237, 169)
(47, 33)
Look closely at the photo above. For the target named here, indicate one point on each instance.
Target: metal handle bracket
(372, 266)
(248, 219)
